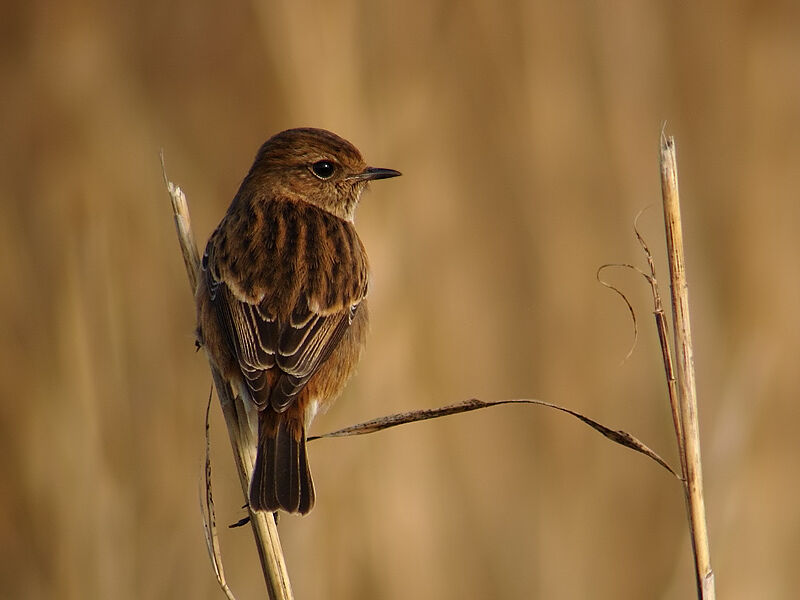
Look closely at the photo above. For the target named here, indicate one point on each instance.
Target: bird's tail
(281, 478)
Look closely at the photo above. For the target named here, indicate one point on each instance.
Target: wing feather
(281, 320)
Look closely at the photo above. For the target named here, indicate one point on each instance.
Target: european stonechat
(281, 300)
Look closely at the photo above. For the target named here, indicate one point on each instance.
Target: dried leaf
(613, 288)
(209, 516)
(620, 437)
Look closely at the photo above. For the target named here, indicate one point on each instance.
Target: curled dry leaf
(622, 295)
(209, 516)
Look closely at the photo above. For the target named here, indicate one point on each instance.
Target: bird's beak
(372, 173)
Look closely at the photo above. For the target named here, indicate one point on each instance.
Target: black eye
(323, 169)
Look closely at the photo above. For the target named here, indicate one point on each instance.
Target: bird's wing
(279, 350)
(305, 343)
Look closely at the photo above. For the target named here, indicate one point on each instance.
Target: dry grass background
(527, 134)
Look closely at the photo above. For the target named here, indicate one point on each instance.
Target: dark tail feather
(281, 478)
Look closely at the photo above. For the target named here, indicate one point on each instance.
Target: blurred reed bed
(483, 257)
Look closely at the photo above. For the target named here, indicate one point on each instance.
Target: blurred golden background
(527, 133)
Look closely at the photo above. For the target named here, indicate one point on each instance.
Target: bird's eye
(323, 169)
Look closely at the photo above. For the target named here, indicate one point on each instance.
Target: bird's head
(316, 166)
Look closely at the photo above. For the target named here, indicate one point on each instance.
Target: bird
(282, 299)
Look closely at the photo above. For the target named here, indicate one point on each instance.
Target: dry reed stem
(663, 339)
(687, 398)
(264, 527)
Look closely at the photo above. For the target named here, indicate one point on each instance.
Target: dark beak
(373, 173)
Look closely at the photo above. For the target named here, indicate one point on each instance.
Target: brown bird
(281, 301)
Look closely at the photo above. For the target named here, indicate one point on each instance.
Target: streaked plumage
(282, 298)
